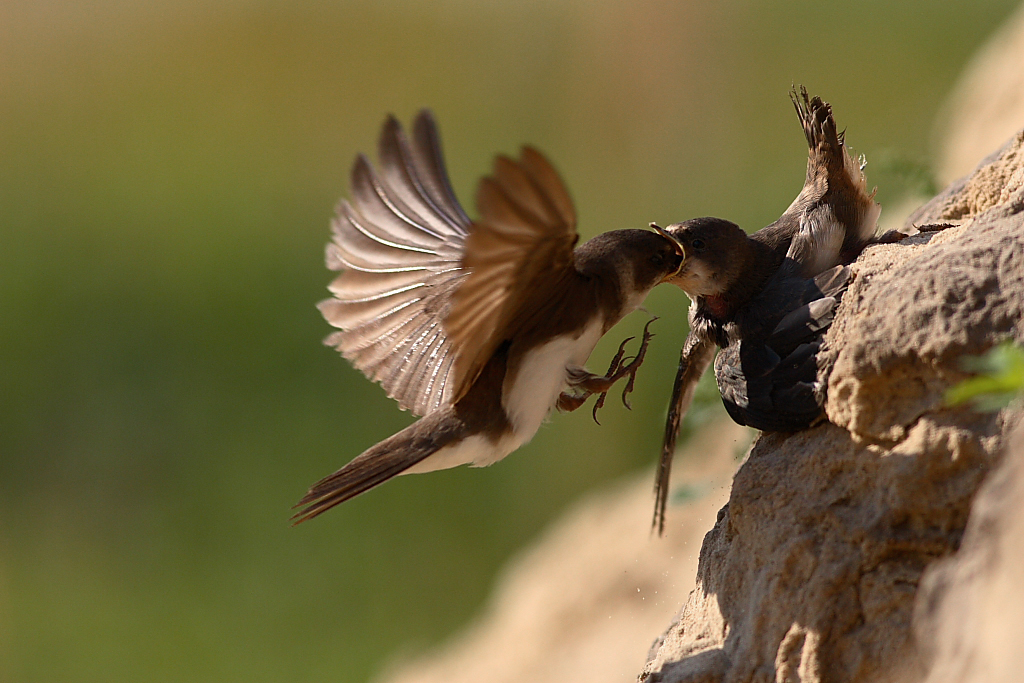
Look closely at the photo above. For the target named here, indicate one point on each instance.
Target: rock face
(917, 307)
(812, 570)
(970, 616)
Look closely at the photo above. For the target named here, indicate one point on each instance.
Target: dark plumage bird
(480, 327)
(767, 298)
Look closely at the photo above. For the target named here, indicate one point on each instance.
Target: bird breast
(530, 392)
(532, 388)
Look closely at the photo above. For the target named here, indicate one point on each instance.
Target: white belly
(530, 395)
(478, 451)
(527, 398)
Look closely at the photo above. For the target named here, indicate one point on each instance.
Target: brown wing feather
(526, 232)
(545, 175)
(836, 214)
(399, 244)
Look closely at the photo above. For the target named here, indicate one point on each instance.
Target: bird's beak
(680, 249)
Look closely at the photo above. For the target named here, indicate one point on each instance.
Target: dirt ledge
(812, 570)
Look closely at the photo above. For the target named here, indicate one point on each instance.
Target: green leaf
(999, 378)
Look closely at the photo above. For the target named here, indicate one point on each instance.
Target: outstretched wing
(834, 217)
(521, 244)
(399, 243)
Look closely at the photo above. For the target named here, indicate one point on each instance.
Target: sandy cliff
(812, 570)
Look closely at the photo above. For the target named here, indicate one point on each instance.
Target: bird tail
(381, 462)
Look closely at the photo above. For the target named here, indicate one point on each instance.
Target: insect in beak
(680, 249)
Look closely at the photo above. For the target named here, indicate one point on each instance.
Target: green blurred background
(167, 174)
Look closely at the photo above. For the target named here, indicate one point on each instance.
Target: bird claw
(619, 368)
(891, 237)
(935, 227)
(588, 384)
(627, 390)
(597, 406)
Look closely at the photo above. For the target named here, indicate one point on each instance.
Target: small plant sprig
(999, 378)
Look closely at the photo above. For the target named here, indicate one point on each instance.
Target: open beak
(680, 249)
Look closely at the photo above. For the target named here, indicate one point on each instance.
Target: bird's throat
(717, 306)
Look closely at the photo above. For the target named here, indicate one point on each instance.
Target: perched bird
(480, 327)
(767, 298)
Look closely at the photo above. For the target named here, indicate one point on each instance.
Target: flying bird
(767, 298)
(479, 327)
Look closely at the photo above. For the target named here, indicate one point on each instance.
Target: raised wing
(399, 243)
(523, 238)
(834, 217)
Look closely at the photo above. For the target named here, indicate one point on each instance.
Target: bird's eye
(697, 244)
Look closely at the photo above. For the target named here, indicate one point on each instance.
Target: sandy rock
(953, 292)
(585, 602)
(812, 569)
(970, 616)
(996, 183)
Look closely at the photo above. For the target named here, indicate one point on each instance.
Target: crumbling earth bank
(812, 570)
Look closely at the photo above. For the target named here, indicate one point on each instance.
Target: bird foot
(586, 384)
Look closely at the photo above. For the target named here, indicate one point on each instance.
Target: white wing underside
(399, 243)
(817, 244)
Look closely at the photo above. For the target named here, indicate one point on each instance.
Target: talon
(935, 227)
(613, 367)
(628, 390)
(635, 364)
(892, 237)
(597, 404)
(617, 369)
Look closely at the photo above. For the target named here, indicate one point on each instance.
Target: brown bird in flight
(480, 327)
(767, 298)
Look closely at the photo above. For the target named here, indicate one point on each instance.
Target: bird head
(714, 252)
(652, 257)
(637, 259)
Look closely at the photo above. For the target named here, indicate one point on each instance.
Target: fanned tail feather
(381, 462)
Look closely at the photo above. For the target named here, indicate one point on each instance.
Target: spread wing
(834, 217)
(399, 242)
(523, 239)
